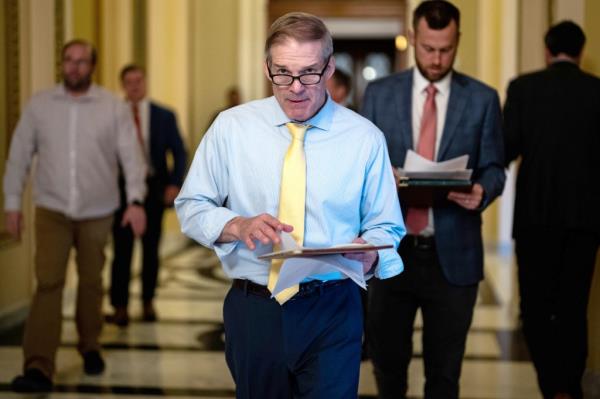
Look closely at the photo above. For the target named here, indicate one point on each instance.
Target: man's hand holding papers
(424, 182)
(468, 200)
(358, 258)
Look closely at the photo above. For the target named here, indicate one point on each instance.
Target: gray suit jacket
(473, 126)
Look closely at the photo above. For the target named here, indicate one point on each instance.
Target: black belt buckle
(316, 286)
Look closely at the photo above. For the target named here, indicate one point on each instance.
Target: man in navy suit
(443, 254)
(158, 136)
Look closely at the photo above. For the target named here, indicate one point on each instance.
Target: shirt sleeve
(200, 205)
(381, 216)
(21, 153)
(130, 155)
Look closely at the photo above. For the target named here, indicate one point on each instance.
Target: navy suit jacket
(165, 138)
(473, 126)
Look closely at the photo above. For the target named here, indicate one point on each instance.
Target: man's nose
(296, 86)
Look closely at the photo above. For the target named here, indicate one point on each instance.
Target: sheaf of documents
(417, 167)
(296, 269)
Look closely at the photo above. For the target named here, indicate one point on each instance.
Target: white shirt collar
(420, 83)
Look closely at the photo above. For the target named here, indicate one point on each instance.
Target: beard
(77, 85)
(439, 75)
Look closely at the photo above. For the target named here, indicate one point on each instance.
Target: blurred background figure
(79, 133)
(232, 97)
(552, 122)
(158, 138)
(339, 86)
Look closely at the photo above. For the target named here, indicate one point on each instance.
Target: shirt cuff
(221, 217)
(390, 264)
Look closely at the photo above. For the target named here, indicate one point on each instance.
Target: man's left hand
(470, 200)
(171, 192)
(367, 258)
(135, 217)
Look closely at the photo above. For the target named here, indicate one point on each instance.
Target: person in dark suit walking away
(441, 114)
(158, 136)
(552, 122)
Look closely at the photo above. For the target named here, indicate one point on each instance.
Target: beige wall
(36, 66)
(3, 133)
(116, 35)
(84, 16)
(168, 57)
(467, 59)
(591, 55)
(214, 61)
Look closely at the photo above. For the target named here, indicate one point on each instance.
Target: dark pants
(123, 248)
(555, 274)
(307, 348)
(447, 312)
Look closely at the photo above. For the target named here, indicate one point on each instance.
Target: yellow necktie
(291, 201)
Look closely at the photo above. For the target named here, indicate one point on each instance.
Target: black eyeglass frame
(299, 77)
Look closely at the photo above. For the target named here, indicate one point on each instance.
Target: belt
(306, 289)
(425, 243)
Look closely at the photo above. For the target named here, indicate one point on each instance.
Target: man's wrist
(136, 202)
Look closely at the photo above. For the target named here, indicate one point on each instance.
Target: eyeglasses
(307, 79)
(76, 62)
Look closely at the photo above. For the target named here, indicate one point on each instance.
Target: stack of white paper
(295, 270)
(417, 167)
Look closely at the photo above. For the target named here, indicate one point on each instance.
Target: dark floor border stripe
(155, 391)
(200, 349)
(161, 320)
(133, 390)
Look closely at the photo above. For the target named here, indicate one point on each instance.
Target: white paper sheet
(294, 270)
(415, 166)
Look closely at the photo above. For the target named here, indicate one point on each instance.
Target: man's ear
(266, 70)
(331, 68)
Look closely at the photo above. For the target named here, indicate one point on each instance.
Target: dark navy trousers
(308, 348)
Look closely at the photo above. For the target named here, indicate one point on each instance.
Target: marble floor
(181, 356)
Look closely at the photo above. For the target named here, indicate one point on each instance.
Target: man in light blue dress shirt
(311, 345)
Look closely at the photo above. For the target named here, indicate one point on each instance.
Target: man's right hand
(14, 223)
(264, 228)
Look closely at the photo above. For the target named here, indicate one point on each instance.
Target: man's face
(299, 102)
(77, 68)
(435, 50)
(134, 85)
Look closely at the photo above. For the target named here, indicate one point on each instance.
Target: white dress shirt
(419, 95)
(350, 189)
(79, 142)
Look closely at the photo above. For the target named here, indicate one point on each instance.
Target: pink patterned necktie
(418, 218)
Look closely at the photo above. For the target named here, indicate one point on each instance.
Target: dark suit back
(165, 138)
(552, 119)
(473, 127)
